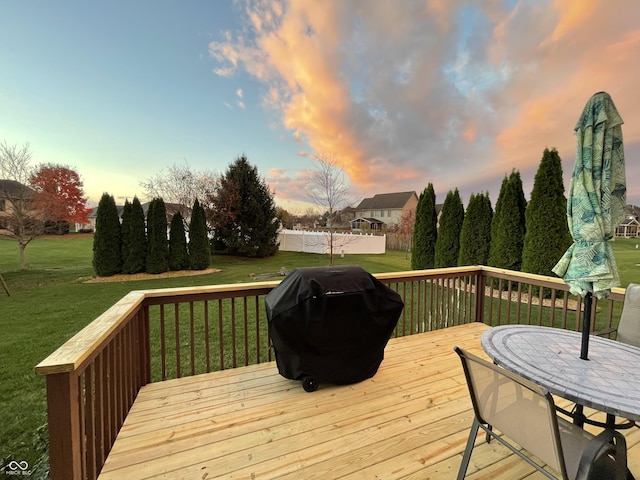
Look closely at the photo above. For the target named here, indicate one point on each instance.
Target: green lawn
(50, 302)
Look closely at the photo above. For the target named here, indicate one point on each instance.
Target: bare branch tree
(330, 191)
(181, 185)
(19, 216)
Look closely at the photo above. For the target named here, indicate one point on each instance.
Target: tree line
(37, 200)
(517, 235)
(237, 217)
(135, 244)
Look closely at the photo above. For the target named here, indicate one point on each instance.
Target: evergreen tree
(136, 260)
(243, 213)
(107, 259)
(475, 236)
(508, 226)
(158, 254)
(448, 241)
(495, 221)
(199, 250)
(178, 256)
(425, 231)
(547, 233)
(125, 227)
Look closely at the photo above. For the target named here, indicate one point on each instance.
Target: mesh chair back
(523, 411)
(629, 326)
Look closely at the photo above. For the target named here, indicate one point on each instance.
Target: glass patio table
(608, 381)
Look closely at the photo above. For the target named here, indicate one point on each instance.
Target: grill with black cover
(331, 324)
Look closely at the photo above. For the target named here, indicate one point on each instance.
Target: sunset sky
(400, 93)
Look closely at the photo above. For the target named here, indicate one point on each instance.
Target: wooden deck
(410, 421)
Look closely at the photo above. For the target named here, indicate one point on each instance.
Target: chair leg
(469, 448)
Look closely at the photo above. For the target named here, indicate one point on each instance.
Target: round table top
(608, 381)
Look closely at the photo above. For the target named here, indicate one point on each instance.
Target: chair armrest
(608, 331)
(599, 448)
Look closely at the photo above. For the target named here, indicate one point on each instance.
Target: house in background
(630, 226)
(14, 197)
(384, 210)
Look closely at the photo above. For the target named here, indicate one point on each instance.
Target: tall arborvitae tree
(497, 215)
(243, 212)
(178, 256)
(425, 231)
(547, 235)
(158, 255)
(199, 249)
(136, 261)
(508, 227)
(475, 237)
(451, 220)
(107, 254)
(125, 228)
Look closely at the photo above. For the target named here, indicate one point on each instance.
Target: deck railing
(155, 335)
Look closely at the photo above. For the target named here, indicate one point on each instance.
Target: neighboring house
(630, 226)
(12, 195)
(384, 210)
(91, 226)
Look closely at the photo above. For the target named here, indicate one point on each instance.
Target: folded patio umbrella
(595, 206)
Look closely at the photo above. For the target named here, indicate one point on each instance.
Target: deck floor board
(409, 421)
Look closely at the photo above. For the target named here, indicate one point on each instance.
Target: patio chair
(628, 330)
(525, 413)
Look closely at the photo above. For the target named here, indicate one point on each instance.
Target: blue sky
(457, 93)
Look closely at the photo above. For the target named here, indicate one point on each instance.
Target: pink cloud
(450, 92)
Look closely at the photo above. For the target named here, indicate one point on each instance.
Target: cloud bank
(457, 93)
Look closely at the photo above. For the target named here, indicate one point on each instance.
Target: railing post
(480, 281)
(65, 441)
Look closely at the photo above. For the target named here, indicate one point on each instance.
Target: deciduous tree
(60, 194)
(181, 184)
(330, 191)
(19, 216)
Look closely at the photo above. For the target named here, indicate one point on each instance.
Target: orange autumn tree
(60, 195)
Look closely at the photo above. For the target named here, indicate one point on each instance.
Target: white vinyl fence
(320, 242)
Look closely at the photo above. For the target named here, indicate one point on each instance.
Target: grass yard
(50, 302)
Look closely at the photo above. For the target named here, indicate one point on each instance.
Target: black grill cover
(331, 323)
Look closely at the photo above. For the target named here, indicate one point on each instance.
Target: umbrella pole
(586, 326)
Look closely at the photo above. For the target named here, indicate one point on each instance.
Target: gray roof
(385, 200)
(368, 220)
(14, 189)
